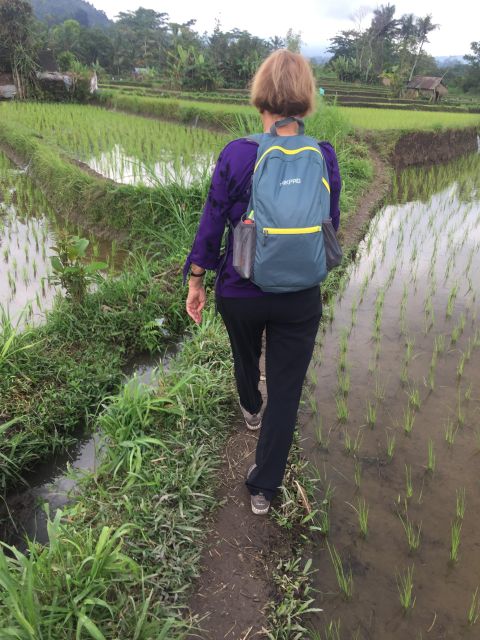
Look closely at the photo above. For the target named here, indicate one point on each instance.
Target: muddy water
(54, 483)
(405, 333)
(28, 231)
(117, 165)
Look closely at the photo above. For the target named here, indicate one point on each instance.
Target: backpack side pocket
(333, 252)
(244, 244)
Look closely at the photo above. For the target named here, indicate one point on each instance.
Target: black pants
(290, 321)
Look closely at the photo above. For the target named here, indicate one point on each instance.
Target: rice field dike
(381, 114)
(119, 560)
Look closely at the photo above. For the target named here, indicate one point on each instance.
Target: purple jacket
(228, 200)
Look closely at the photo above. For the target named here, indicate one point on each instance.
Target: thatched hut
(426, 86)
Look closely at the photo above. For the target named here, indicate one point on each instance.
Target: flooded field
(28, 231)
(118, 166)
(393, 432)
(125, 148)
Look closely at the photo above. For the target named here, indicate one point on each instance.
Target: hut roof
(425, 83)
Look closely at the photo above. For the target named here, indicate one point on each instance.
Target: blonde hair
(284, 85)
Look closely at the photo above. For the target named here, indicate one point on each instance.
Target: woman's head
(284, 85)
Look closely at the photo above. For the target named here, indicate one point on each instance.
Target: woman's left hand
(195, 300)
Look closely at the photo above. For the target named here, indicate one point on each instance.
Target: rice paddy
(126, 149)
(373, 119)
(401, 457)
(28, 231)
(393, 395)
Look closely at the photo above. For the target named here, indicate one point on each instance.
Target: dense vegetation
(149, 45)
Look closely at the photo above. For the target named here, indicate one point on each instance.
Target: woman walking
(283, 90)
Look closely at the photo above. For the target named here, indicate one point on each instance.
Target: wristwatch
(198, 275)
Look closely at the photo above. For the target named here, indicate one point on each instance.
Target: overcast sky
(317, 20)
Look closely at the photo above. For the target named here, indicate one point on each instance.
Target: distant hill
(449, 61)
(57, 11)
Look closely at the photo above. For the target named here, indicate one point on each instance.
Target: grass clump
(132, 538)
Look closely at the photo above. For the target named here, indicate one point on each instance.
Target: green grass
(130, 544)
(374, 119)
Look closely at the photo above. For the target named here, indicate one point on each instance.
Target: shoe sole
(251, 427)
(260, 512)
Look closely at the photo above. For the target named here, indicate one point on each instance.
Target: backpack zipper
(290, 231)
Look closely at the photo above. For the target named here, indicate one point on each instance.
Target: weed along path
(54, 482)
(392, 431)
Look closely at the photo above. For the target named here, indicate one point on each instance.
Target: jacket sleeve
(205, 250)
(334, 180)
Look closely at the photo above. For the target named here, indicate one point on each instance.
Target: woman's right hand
(195, 300)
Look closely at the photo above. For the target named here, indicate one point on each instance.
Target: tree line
(393, 47)
(147, 40)
(142, 39)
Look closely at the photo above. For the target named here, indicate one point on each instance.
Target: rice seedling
(450, 432)
(343, 382)
(451, 300)
(344, 576)
(408, 482)
(414, 398)
(323, 440)
(362, 510)
(330, 632)
(357, 474)
(342, 409)
(474, 610)
(468, 392)
(408, 420)
(455, 532)
(460, 411)
(405, 589)
(371, 413)
(413, 532)
(439, 344)
(390, 446)
(461, 365)
(379, 389)
(460, 503)
(313, 376)
(342, 362)
(431, 457)
(312, 400)
(352, 446)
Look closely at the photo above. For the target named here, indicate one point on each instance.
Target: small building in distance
(426, 86)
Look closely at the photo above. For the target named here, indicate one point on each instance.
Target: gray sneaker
(260, 504)
(252, 420)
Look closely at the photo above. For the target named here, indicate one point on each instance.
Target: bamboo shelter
(427, 86)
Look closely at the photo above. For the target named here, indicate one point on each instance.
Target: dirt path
(368, 202)
(242, 549)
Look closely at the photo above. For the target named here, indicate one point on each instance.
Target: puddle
(28, 230)
(400, 364)
(55, 481)
(117, 165)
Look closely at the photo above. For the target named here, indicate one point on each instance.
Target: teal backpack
(279, 242)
